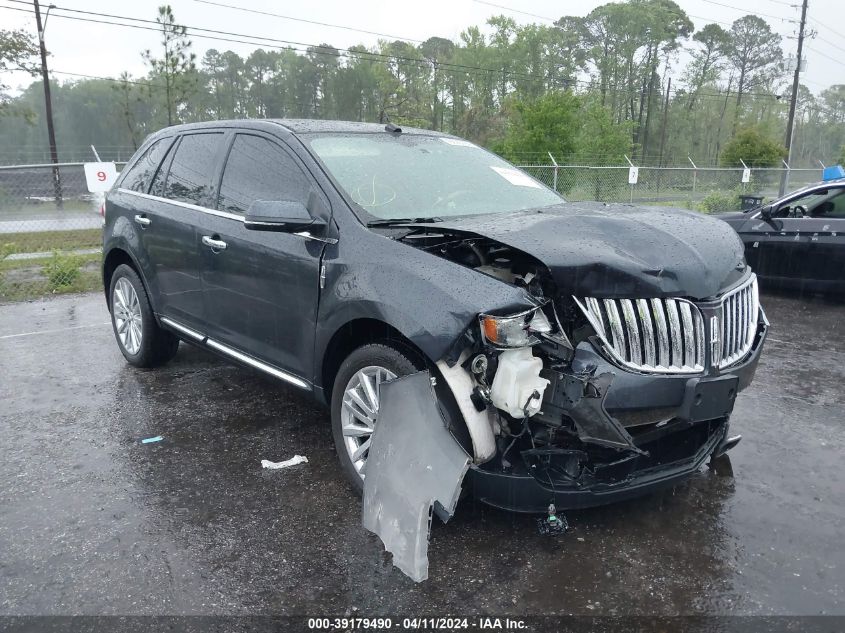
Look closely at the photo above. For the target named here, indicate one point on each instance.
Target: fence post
(694, 178)
(554, 177)
(746, 168)
(785, 180)
(632, 176)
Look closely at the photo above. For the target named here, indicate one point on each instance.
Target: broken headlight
(515, 330)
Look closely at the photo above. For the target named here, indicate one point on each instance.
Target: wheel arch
(355, 333)
(362, 331)
(114, 258)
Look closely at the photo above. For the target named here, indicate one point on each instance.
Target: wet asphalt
(94, 522)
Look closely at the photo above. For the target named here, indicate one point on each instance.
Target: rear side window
(259, 169)
(189, 178)
(157, 187)
(139, 176)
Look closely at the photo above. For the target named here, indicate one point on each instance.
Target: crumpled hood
(617, 250)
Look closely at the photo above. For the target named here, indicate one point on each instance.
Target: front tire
(354, 407)
(141, 341)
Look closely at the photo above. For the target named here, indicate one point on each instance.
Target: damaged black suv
(580, 353)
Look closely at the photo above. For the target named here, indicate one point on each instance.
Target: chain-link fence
(705, 189)
(49, 243)
(52, 245)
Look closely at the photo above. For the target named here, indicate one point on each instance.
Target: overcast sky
(106, 50)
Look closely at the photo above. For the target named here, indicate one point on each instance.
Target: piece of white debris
(293, 461)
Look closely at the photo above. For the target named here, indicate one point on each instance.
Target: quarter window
(259, 169)
(189, 178)
(140, 175)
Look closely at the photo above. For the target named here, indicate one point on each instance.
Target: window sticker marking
(516, 177)
(459, 142)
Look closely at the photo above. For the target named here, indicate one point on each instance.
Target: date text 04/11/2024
(417, 624)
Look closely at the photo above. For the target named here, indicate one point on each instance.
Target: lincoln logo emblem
(715, 347)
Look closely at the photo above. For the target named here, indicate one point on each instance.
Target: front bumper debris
(633, 433)
(570, 480)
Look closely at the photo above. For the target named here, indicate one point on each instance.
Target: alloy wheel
(126, 312)
(359, 412)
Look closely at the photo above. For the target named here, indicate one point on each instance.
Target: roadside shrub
(61, 271)
(720, 201)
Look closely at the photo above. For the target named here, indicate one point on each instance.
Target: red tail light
(103, 209)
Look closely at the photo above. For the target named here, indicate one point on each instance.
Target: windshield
(409, 176)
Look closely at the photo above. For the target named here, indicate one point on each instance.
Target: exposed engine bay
(535, 386)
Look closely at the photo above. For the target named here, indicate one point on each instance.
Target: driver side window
(258, 169)
(801, 207)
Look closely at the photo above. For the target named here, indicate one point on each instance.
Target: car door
(178, 196)
(825, 224)
(261, 288)
(778, 249)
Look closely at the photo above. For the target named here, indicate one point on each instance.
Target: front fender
(430, 300)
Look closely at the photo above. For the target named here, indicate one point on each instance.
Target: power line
(786, 4)
(288, 44)
(543, 17)
(833, 59)
(829, 43)
(86, 76)
(827, 28)
(499, 6)
(118, 80)
(315, 22)
(232, 37)
(758, 13)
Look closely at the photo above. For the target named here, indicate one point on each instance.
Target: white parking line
(64, 329)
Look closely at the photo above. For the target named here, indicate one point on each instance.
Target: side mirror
(766, 212)
(284, 216)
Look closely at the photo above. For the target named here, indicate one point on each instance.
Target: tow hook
(552, 525)
(725, 445)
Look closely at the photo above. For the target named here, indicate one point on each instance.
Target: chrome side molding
(182, 329)
(237, 355)
(254, 362)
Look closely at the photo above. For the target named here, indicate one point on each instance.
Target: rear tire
(141, 341)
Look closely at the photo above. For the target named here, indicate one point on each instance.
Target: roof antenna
(390, 127)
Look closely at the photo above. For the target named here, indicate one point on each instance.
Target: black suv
(581, 352)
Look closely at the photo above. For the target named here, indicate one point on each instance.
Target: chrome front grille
(669, 336)
(650, 335)
(739, 323)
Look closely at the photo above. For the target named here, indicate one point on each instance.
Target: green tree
(18, 51)
(842, 156)
(753, 148)
(548, 124)
(176, 65)
(707, 61)
(753, 50)
(600, 141)
(130, 103)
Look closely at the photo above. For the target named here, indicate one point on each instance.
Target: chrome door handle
(217, 245)
(142, 220)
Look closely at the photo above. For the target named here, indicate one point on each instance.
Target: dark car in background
(797, 241)
(581, 353)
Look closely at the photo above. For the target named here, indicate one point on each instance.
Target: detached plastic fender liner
(414, 469)
(479, 423)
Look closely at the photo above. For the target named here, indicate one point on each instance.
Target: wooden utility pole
(48, 107)
(665, 121)
(793, 102)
